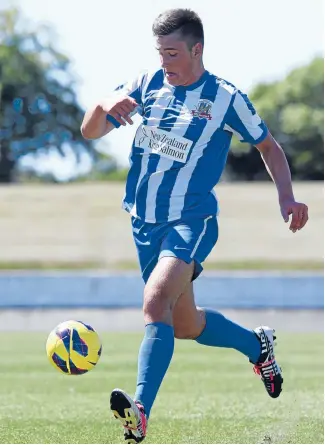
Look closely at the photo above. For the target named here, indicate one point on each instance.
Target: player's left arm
(243, 120)
(277, 166)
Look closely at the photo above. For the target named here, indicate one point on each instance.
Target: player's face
(180, 63)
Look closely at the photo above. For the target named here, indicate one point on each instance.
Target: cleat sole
(121, 409)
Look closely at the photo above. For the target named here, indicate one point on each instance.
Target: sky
(246, 42)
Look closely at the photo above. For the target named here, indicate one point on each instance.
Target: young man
(179, 152)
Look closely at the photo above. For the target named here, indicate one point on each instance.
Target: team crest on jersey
(203, 109)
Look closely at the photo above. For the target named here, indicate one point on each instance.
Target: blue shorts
(188, 240)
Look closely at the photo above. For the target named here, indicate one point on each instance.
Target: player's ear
(197, 50)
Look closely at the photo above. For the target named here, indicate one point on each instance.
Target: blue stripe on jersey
(248, 102)
(209, 92)
(208, 170)
(135, 159)
(132, 180)
(193, 133)
(155, 84)
(170, 115)
(168, 119)
(169, 176)
(225, 116)
(136, 94)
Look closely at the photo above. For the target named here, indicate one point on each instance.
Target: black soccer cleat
(131, 414)
(266, 366)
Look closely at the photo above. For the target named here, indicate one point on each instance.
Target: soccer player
(178, 154)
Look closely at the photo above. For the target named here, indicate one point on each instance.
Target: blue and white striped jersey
(180, 148)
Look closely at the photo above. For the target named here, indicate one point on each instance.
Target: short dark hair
(185, 21)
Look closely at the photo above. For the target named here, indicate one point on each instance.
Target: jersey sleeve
(132, 88)
(243, 120)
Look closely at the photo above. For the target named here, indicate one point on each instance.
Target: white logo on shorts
(163, 143)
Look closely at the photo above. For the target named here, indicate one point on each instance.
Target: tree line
(39, 109)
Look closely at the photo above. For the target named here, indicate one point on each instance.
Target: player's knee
(156, 304)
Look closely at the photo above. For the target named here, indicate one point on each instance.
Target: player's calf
(187, 329)
(188, 319)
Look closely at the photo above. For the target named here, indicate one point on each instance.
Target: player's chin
(173, 79)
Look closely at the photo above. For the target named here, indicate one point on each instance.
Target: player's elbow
(86, 133)
(90, 132)
(268, 146)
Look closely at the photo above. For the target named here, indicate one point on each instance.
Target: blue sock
(155, 354)
(224, 333)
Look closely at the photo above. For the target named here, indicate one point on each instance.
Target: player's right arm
(102, 117)
(115, 110)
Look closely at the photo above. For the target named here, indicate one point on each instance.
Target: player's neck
(196, 75)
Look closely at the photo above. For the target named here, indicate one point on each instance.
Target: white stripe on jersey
(156, 113)
(251, 122)
(219, 109)
(164, 164)
(149, 77)
(143, 171)
(153, 186)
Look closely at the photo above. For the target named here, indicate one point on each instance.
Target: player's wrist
(285, 197)
(112, 120)
(285, 191)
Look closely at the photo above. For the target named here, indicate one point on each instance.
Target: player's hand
(119, 108)
(299, 212)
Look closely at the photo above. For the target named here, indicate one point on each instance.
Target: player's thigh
(169, 279)
(147, 238)
(191, 239)
(188, 319)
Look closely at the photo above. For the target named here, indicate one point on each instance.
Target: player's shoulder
(156, 76)
(153, 81)
(224, 84)
(144, 75)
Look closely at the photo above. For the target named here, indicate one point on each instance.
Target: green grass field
(209, 395)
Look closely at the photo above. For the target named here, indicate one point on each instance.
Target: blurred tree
(38, 109)
(294, 112)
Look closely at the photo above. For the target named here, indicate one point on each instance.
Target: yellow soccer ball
(73, 347)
